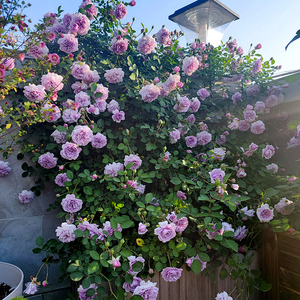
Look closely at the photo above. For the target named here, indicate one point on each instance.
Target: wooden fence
(280, 262)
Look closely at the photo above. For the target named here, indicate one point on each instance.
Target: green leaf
(72, 268)
(78, 233)
(196, 266)
(270, 192)
(158, 266)
(120, 294)
(76, 276)
(94, 255)
(70, 174)
(118, 235)
(233, 245)
(175, 180)
(223, 274)
(126, 253)
(113, 223)
(132, 76)
(136, 297)
(137, 266)
(87, 190)
(129, 278)
(86, 282)
(39, 241)
(127, 224)
(93, 267)
(204, 257)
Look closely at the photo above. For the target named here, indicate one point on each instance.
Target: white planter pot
(12, 276)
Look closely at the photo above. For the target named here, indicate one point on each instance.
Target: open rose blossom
(223, 296)
(4, 168)
(147, 290)
(71, 204)
(114, 75)
(146, 44)
(165, 231)
(265, 213)
(149, 92)
(47, 160)
(82, 135)
(70, 151)
(26, 196)
(65, 232)
(52, 81)
(171, 274)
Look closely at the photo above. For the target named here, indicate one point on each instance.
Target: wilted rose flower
(285, 206)
(4, 168)
(26, 196)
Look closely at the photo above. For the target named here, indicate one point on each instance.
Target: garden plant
(162, 156)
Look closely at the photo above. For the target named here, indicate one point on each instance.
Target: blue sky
(269, 22)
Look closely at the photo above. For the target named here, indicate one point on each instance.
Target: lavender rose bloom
(4, 168)
(203, 138)
(120, 11)
(171, 274)
(216, 174)
(146, 44)
(132, 260)
(147, 290)
(142, 228)
(195, 104)
(26, 196)
(47, 160)
(223, 296)
(203, 93)
(258, 127)
(131, 287)
(65, 232)
(112, 106)
(165, 231)
(82, 135)
(61, 178)
(70, 151)
(70, 116)
(113, 169)
(243, 125)
(137, 162)
(191, 141)
(268, 152)
(52, 81)
(34, 93)
(59, 137)
(174, 136)
(82, 292)
(181, 195)
(71, 204)
(265, 213)
(92, 228)
(118, 46)
(240, 233)
(114, 75)
(118, 116)
(68, 44)
(249, 115)
(81, 22)
(181, 224)
(149, 92)
(190, 65)
(285, 206)
(99, 140)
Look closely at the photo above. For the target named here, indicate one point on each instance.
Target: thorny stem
(110, 288)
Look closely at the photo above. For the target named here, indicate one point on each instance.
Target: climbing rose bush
(160, 155)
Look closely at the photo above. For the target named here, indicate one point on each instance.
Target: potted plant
(12, 276)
